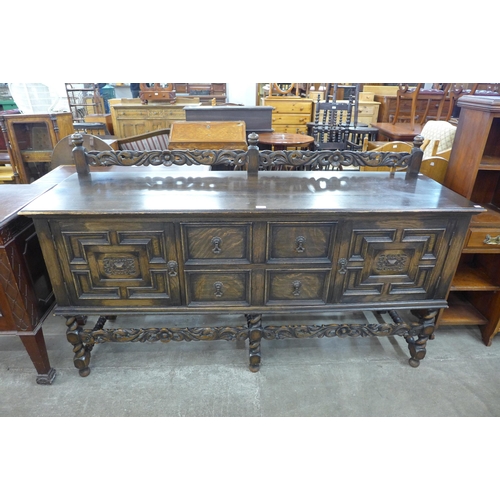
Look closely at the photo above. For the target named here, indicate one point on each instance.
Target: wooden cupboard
(474, 172)
(31, 140)
(130, 117)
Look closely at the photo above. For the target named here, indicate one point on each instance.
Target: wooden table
(251, 243)
(281, 140)
(25, 291)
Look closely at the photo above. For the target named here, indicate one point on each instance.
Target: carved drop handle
(172, 268)
(300, 240)
(218, 292)
(216, 242)
(342, 266)
(296, 287)
(492, 241)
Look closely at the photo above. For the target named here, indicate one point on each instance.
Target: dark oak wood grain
(250, 242)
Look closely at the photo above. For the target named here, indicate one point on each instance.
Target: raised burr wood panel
(216, 241)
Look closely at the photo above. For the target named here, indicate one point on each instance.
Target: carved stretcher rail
(83, 339)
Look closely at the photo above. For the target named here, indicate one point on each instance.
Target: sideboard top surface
(115, 193)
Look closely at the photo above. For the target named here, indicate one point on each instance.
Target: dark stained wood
(248, 242)
(25, 291)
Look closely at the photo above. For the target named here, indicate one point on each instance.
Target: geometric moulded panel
(118, 265)
(392, 264)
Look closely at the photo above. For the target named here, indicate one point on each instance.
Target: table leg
(417, 338)
(254, 322)
(37, 351)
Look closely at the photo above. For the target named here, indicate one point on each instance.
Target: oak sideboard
(250, 242)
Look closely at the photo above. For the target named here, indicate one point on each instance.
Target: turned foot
(413, 362)
(84, 372)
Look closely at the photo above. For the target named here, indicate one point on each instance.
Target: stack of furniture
(474, 172)
(368, 108)
(206, 92)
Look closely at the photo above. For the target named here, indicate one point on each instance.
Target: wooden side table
(280, 140)
(25, 290)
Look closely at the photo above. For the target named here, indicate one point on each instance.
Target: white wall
(241, 93)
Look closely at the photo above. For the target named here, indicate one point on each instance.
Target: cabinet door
(393, 261)
(117, 263)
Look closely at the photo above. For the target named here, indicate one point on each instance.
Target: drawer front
(487, 239)
(291, 129)
(292, 119)
(300, 242)
(285, 286)
(218, 287)
(367, 109)
(290, 105)
(202, 242)
(132, 114)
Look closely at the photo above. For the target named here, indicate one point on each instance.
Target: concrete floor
(353, 377)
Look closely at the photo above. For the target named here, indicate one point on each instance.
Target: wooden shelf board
(472, 279)
(461, 312)
(490, 163)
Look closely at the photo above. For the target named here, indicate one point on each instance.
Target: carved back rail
(253, 159)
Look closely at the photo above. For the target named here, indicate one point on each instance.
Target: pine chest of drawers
(122, 243)
(290, 114)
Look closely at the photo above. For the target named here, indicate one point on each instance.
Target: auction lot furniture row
(282, 233)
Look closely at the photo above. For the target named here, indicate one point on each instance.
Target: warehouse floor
(353, 377)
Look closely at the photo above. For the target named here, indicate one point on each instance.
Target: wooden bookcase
(474, 172)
